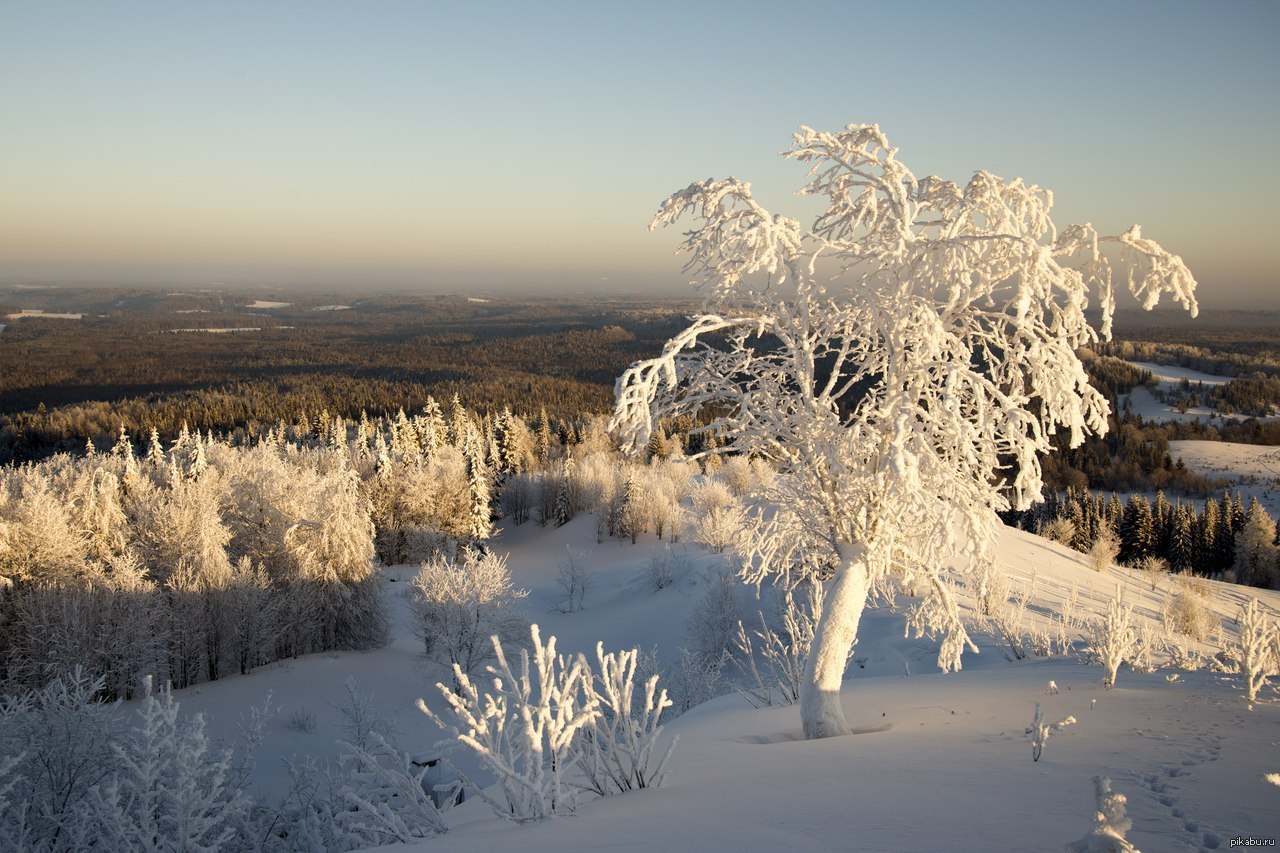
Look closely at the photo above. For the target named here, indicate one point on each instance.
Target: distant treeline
(62, 382)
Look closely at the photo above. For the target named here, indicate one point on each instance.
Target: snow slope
(940, 763)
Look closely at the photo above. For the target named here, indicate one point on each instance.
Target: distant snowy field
(263, 303)
(1255, 468)
(941, 764)
(36, 312)
(1172, 375)
(1142, 403)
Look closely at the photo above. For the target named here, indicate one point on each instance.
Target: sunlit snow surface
(941, 764)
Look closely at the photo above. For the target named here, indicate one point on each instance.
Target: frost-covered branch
(1040, 730)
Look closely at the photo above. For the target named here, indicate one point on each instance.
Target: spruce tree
(1137, 530)
(1182, 539)
(480, 515)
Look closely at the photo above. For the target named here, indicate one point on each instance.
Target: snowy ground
(940, 763)
(220, 330)
(1255, 469)
(264, 303)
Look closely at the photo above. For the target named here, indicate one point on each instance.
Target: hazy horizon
(518, 148)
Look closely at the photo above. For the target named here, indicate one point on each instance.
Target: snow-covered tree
(1256, 553)
(904, 388)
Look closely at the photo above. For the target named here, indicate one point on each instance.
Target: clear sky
(527, 144)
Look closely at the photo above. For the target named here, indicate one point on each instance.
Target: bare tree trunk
(820, 707)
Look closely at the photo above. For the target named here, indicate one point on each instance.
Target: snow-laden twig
(1111, 823)
(1040, 731)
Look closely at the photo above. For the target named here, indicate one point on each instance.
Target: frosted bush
(737, 476)
(1104, 550)
(619, 751)
(575, 577)
(713, 624)
(772, 660)
(719, 526)
(457, 607)
(1186, 611)
(1060, 530)
(1113, 639)
(168, 785)
(523, 731)
(665, 568)
(1153, 567)
(991, 590)
(1257, 651)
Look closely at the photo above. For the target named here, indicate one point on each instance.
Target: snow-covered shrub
(64, 740)
(695, 679)
(1257, 650)
(1111, 823)
(1153, 567)
(1112, 638)
(781, 653)
(169, 787)
(618, 750)
(1145, 647)
(458, 606)
(713, 623)
(1186, 611)
(1060, 530)
(362, 725)
(1180, 655)
(575, 577)
(1040, 731)
(991, 590)
(303, 720)
(737, 476)
(525, 732)
(665, 568)
(1104, 550)
(387, 799)
(718, 518)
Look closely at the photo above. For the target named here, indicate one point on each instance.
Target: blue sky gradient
(526, 145)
